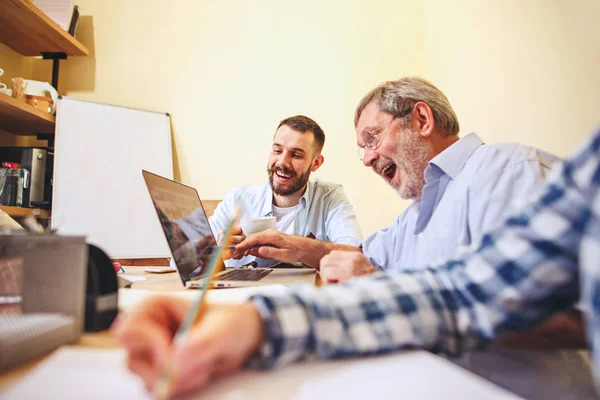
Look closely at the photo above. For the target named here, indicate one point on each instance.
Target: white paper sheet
(133, 278)
(79, 373)
(131, 297)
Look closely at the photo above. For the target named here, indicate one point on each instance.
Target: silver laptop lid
(184, 223)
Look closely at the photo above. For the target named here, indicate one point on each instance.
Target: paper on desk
(133, 278)
(80, 373)
(130, 297)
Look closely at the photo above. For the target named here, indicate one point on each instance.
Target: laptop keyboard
(239, 274)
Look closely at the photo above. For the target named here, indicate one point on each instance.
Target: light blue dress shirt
(469, 188)
(324, 213)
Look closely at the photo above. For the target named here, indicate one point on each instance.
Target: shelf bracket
(55, 57)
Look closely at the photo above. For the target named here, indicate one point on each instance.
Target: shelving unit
(23, 212)
(30, 32)
(20, 118)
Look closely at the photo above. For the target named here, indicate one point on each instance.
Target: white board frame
(98, 190)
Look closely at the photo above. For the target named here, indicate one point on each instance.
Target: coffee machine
(38, 165)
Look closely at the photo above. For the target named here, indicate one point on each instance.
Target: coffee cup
(2, 85)
(258, 224)
(41, 89)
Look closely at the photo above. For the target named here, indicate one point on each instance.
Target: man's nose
(370, 157)
(285, 160)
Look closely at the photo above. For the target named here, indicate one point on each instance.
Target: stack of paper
(60, 11)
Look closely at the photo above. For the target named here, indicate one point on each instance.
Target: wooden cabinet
(28, 31)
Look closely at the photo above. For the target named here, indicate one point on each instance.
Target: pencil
(197, 309)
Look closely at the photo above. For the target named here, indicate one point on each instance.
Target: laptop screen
(184, 224)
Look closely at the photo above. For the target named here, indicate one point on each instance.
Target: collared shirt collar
(442, 168)
(452, 160)
(267, 208)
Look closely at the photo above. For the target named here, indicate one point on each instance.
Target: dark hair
(304, 124)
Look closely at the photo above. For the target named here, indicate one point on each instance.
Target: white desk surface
(94, 368)
(83, 373)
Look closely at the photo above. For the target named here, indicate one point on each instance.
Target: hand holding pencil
(225, 337)
(177, 346)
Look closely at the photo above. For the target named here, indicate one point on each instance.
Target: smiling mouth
(389, 171)
(283, 176)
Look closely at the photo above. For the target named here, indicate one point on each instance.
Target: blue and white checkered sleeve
(516, 276)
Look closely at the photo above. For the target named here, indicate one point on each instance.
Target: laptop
(191, 240)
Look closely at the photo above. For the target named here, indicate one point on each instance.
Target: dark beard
(301, 181)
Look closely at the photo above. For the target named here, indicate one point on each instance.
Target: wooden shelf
(23, 212)
(20, 118)
(27, 30)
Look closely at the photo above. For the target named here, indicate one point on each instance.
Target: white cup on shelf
(3, 85)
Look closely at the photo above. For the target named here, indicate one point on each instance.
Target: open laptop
(191, 240)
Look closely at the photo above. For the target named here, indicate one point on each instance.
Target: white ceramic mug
(37, 88)
(2, 85)
(258, 224)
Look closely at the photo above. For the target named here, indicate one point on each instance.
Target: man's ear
(422, 119)
(317, 163)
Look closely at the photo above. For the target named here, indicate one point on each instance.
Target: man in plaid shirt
(538, 263)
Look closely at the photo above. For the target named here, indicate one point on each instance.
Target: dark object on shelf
(39, 164)
(74, 21)
(13, 181)
(44, 205)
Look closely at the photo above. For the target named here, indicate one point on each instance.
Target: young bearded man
(302, 207)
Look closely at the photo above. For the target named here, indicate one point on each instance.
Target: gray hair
(398, 97)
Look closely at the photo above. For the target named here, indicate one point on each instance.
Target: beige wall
(228, 72)
(519, 70)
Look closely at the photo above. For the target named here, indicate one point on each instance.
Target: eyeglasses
(373, 138)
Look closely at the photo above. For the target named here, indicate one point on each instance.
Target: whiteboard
(99, 191)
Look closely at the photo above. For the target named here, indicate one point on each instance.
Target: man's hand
(237, 236)
(218, 345)
(273, 244)
(340, 266)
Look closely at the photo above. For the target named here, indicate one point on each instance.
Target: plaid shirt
(515, 277)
